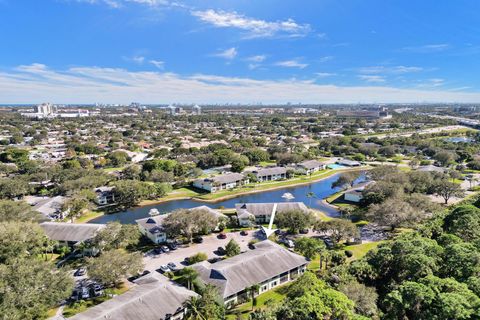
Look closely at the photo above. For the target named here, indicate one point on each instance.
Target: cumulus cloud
(157, 63)
(292, 64)
(228, 54)
(37, 82)
(255, 27)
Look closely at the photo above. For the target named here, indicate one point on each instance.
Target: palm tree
(194, 309)
(253, 290)
(189, 275)
(310, 195)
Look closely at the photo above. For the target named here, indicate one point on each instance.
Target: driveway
(209, 245)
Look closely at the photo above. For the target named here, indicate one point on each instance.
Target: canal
(321, 189)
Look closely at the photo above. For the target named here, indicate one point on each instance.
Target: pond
(321, 189)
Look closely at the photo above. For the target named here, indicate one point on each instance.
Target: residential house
(270, 174)
(260, 212)
(49, 207)
(221, 182)
(348, 163)
(72, 234)
(152, 297)
(310, 166)
(268, 265)
(152, 228)
(105, 196)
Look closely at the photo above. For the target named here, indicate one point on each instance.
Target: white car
(164, 268)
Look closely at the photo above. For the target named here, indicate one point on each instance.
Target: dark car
(80, 272)
(215, 259)
(221, 251)
(158, 250)
(304, 231)
(135, 277)
(244, 233)
(198, 239)
(172, 246)
(222, 236)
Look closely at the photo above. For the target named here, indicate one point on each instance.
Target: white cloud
(120, 3)
(291, 64)
(428, 48)
(325, 74)
(35, 83)
(228, 54)
(157, 63)
(390, 69)
(325, 59)
(372, 78)
(254, 27)
(257, 58)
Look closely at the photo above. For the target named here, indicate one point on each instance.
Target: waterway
(321, 189)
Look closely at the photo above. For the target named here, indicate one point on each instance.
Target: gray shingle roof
(310, 164)
(153, 224)
(226, 178)
(270, 171)
(214, 212)
(151, 298)
(74, 232)
(266, 208)
(235, 274)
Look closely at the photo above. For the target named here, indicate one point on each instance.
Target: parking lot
(208, 246)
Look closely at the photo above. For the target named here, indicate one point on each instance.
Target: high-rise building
(197, 110)
(45, 109)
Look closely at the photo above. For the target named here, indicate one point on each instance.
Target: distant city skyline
(273, 51)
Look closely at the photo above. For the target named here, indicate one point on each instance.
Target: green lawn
(360, 250)
(88, 216)
(275, 295)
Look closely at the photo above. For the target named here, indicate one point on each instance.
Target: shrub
(199, 257)
(349, 253)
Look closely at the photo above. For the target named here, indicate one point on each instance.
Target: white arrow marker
(268, 231)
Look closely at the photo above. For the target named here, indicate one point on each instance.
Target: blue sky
(162, 51)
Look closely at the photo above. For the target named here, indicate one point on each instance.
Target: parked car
(289, 243)
(172, 266)
(96, 289)
(80, 272)
(215, 259)
(164, 268)
(222, 235)
(135, 277)
(244, 233)
(328, 243)
(165, 249)
(198, 239)
(172, 245)
(221, 251)
(157, 251)
(84, 293)
(304, 231)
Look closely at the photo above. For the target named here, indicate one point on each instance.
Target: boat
(288, 196)
(154, 212)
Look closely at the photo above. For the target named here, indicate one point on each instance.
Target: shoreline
(232, 196)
